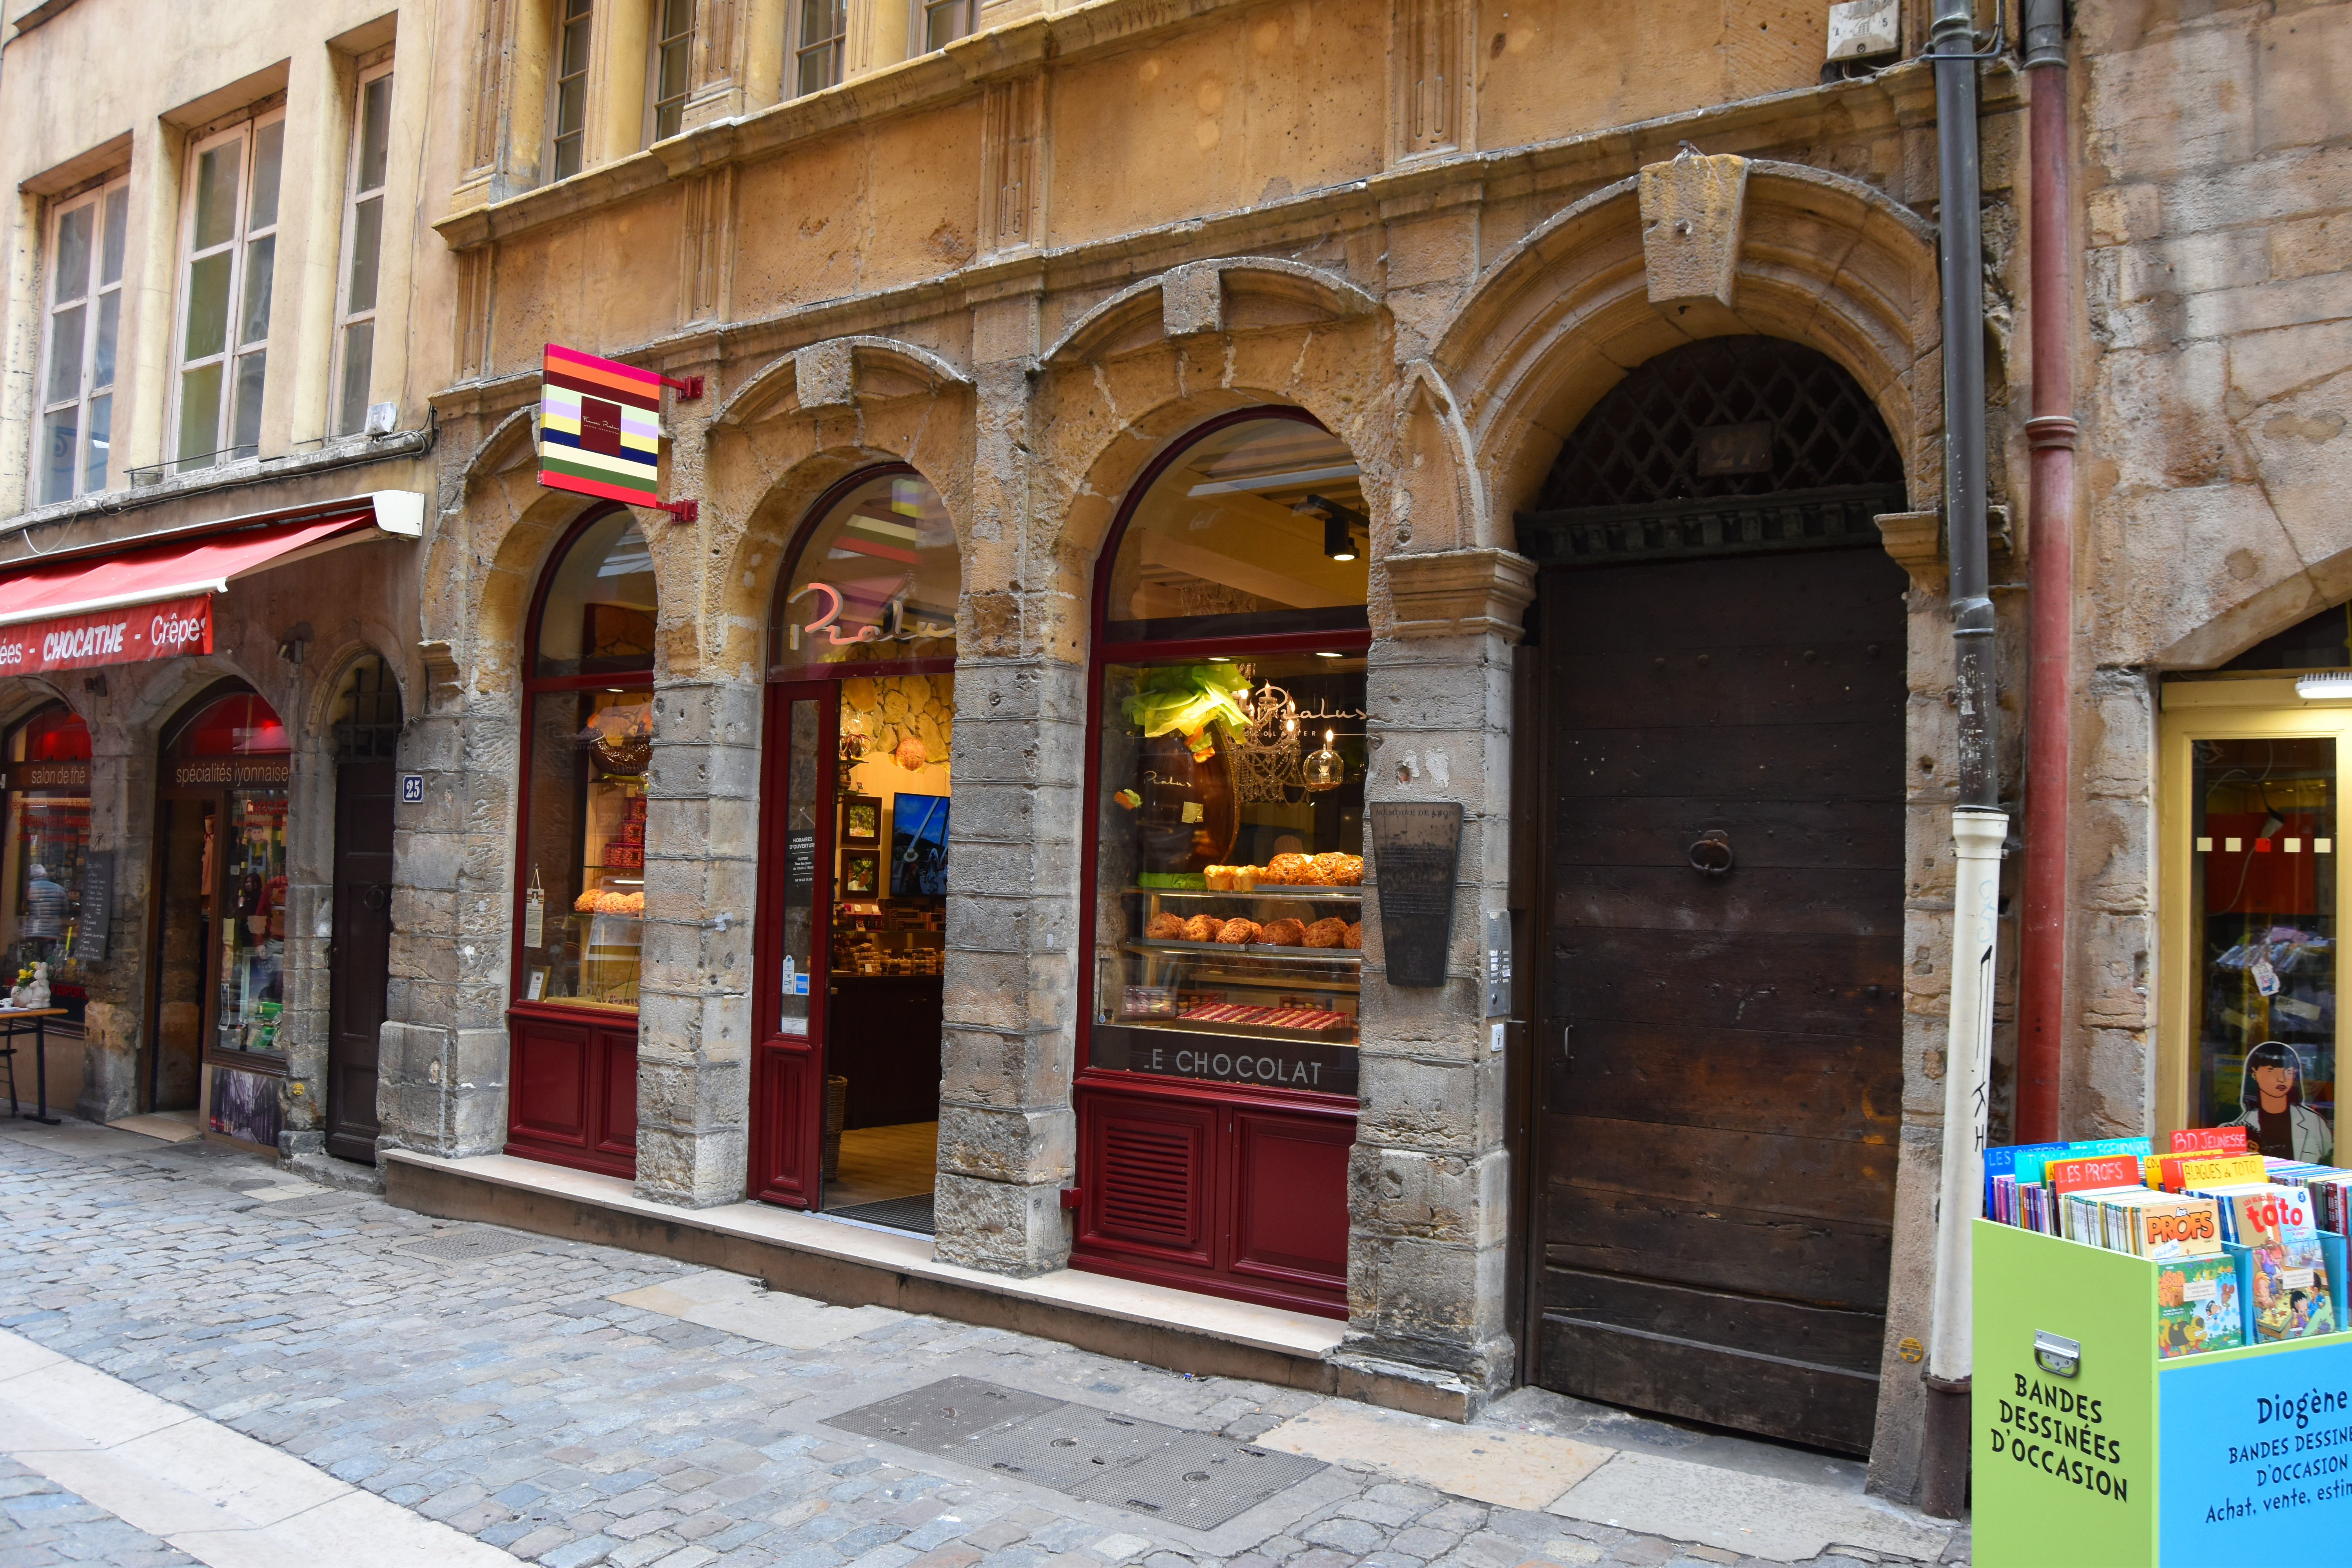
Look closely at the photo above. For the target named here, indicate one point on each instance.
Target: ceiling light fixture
(1338, 525)
(2324, 686)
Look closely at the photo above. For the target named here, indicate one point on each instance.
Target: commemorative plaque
(1416, 860)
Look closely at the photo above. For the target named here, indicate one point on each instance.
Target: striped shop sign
(599, 428)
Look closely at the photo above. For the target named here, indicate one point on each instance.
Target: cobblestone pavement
(42, 1524)
(510, 1398)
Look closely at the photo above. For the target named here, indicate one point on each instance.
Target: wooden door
(360, 962)
(796, 848)
(1720, 1093)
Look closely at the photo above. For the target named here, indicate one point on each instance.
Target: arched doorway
(854, 855)
(1216, 1092)
(46, 849)
(580, 903)
(219, 914)
(1720, 659)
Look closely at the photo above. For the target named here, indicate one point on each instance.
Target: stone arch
(1241, 293)
(1100, 416)
(836, 374)
(1564, 314)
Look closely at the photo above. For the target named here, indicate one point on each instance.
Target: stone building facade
(213, 265)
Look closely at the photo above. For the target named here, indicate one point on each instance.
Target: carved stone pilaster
(1460, 593)
(706, 234)
(1013, 177)
(1430, 53)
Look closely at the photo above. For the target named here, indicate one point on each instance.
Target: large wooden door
(1721, 1070)
(795, 908)
(360, 966)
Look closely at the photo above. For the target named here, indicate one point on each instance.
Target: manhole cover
(457, 1245)
(1193, 1479)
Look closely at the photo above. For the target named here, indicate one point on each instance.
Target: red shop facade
(1217, 1080)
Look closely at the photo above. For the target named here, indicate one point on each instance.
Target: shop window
(49, 840)
(820, 39)
(878, 582)
(363, 208)
(1230, 773)
(567, 106)
(1257, 528)
(590, 742)
(669, 71)
(229, 247)
(84, 318)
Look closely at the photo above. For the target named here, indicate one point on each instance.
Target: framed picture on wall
(861, 820)
(861, 874)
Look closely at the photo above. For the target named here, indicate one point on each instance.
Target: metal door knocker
(1712, 854)
(377, 897)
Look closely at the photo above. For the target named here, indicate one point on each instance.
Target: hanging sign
(600, 429)
(92, 920)
(1416, 860)
(96, 638)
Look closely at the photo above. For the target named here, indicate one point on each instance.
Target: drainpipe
(2050, 583)
(1979, 826)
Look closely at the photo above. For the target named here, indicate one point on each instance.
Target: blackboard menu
(97, 905)
(1416, 860)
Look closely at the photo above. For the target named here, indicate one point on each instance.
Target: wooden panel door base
(1207, 1191)
(572, 1091)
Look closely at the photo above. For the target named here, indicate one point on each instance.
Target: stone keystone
(1191, 301)
(825, 375)
(1692, 208)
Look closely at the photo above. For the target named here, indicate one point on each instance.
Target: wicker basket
(836, 1111)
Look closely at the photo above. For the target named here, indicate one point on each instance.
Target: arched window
(589, 740)
(49, 838)
(1227, 857)
(876, 583)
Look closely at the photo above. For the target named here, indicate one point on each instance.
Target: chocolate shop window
(591, 742)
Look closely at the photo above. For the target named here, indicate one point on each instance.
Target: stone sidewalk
(576, 1406)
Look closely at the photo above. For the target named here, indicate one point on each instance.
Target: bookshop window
(49, 836)
(591, 739)
(1230, 811)
(2262, 893)
(876, 581)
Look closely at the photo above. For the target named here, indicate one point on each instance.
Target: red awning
(150, 602)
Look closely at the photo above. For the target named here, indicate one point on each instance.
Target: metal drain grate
(460, 1246)
(1193, 1479)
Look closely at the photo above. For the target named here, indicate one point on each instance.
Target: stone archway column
(1429, 1182)
(442, 1064)
(694, 1006)
(1007, 1132)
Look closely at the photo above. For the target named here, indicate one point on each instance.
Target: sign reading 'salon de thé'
(600, 427)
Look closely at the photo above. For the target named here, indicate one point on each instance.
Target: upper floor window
(671, 67)
(230, 246)
(363, 246)
(568, 105)
(85, 313)
(942, 22)
(821, 31)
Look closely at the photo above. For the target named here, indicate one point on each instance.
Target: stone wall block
(2116, 961)
(1431, 1303)
(1433, 1198)
(1000, 1227)
(1419, 1104)
(1003, 1068)
(1025, 1148)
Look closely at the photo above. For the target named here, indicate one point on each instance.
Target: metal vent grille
(1150, 1173)
(1642, 443)
(460, 1246)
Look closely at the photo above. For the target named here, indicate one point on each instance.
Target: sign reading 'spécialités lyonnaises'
(109, 637)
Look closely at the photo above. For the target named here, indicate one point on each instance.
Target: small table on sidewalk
(13, 1022)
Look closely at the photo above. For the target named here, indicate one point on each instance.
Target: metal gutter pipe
(1979, 826)
(2049, 585)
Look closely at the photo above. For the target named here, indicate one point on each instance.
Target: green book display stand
(2091, 1450)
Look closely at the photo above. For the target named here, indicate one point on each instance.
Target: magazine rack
(2090, 1449)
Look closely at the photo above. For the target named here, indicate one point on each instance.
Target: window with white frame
(669, 69)
(567, 109)
(820, 33)
(229, 243)
(942, 22)
(371, 156)
(84, 313)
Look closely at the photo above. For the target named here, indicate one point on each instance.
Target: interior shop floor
(879, 1162)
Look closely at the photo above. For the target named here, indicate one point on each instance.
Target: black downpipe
(1943, 1457)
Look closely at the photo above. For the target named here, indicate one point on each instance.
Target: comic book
(2173, 1227)
(2290, 1288)
(2197, 1307)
